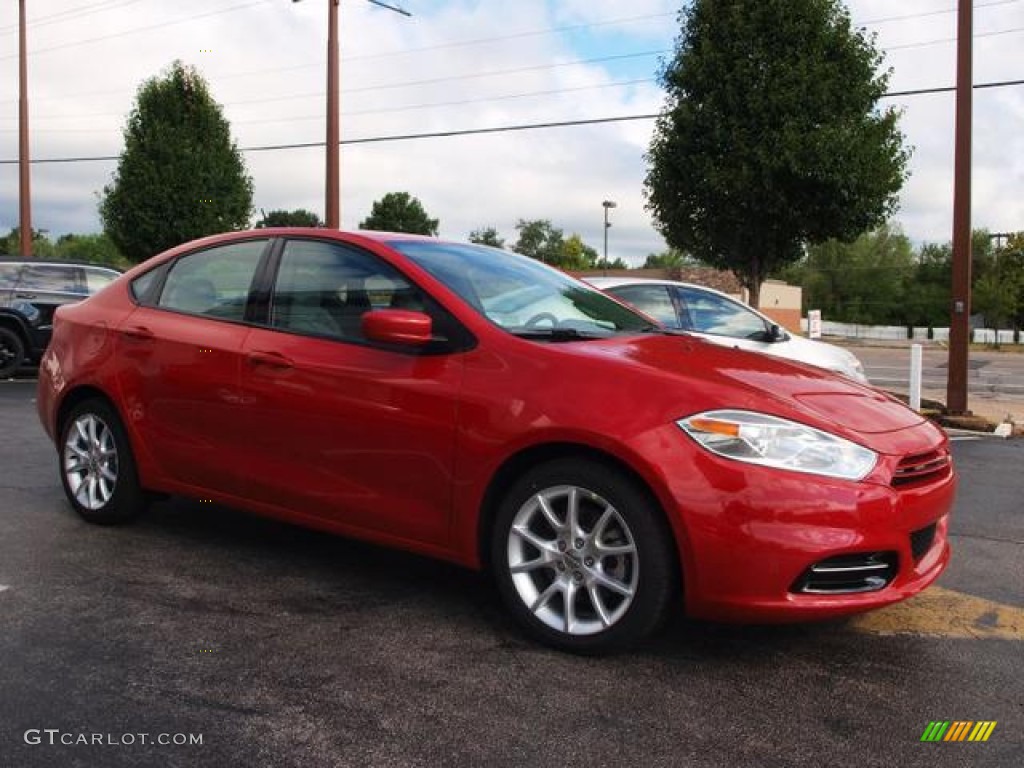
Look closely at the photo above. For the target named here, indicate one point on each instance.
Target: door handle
(270, 360)
(138, 333)
(25, 295)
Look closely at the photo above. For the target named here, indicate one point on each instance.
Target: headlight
(757, 438)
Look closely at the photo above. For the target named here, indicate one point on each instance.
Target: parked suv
(30, 292)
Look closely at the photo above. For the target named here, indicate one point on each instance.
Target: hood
(697, 375)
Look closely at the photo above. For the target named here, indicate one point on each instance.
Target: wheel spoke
(529, 536)
(569, 596)
(607, 550)
(543, 597)
(572, 516)
(614, 585)
(598, 603)
(75, 464)
(532, 565)
(549, 513)
(598, 529)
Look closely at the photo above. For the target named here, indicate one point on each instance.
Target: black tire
(12, 352)
(97, 468)
(557, 569)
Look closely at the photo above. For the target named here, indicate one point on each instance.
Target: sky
(458, 65)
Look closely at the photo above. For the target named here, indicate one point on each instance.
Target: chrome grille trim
(848, 574)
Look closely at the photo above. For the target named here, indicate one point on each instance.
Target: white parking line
(4, 587)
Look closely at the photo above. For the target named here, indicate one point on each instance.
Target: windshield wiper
(555, 334)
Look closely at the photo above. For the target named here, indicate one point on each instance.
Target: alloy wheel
(573, 560)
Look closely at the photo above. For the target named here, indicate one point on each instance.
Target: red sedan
(478, 406)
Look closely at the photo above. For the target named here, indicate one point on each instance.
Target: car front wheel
(583, 557)
(97, 466)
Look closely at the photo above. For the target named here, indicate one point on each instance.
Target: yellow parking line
(945, 613)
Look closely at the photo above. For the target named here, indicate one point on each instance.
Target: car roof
(34, 261)
(617, 282)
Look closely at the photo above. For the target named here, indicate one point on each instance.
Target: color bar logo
(958, 730)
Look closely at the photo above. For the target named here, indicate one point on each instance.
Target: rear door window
(214, 282)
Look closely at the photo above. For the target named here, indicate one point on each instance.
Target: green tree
(41, 245)
(97, 249)
(771, 138)
(539, 240)
(299, 217)
(669, 259)
(180, 176)
(858, 282)
(998, 290)
(928, 293)
(400, 212)
(487, 236)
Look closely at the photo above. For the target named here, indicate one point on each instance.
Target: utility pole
(24, 181)
(959, 326)
(332, 202)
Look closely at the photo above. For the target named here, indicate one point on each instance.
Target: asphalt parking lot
(282, 647)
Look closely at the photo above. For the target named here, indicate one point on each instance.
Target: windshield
(522, 295)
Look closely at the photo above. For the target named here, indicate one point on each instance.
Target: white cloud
(263, 60)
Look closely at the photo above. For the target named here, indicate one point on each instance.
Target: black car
(30, 292)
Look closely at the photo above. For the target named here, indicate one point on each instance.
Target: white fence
(900, 333)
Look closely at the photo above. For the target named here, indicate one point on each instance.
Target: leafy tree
(400, 212)
(539, 240)
(771, 138)
(41, 245)
(998, 292)
(98, 249)
(670, 259)
(577, 255)
(180, 176)
(928, 293)
(487, 236)
(300, 217)
(862, 281)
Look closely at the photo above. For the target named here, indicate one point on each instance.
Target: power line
(136, 30)
(482, 131)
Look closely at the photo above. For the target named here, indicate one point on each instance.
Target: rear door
(181, 350)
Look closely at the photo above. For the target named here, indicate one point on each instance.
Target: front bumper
(749, 536)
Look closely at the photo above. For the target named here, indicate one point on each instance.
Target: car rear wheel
(97, 466)
(583, 557)
(12, 352)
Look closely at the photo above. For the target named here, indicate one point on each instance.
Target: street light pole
(607, 205)
(24, 193)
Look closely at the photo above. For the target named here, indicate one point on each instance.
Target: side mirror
(397, 326)
(775, 333)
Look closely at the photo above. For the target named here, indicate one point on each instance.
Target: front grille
(921, 541)
(922, 468)
(847, 574)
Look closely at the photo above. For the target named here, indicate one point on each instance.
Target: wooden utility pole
(959, 326)
(24, 180)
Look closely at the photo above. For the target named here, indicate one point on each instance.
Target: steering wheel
(541, 317)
